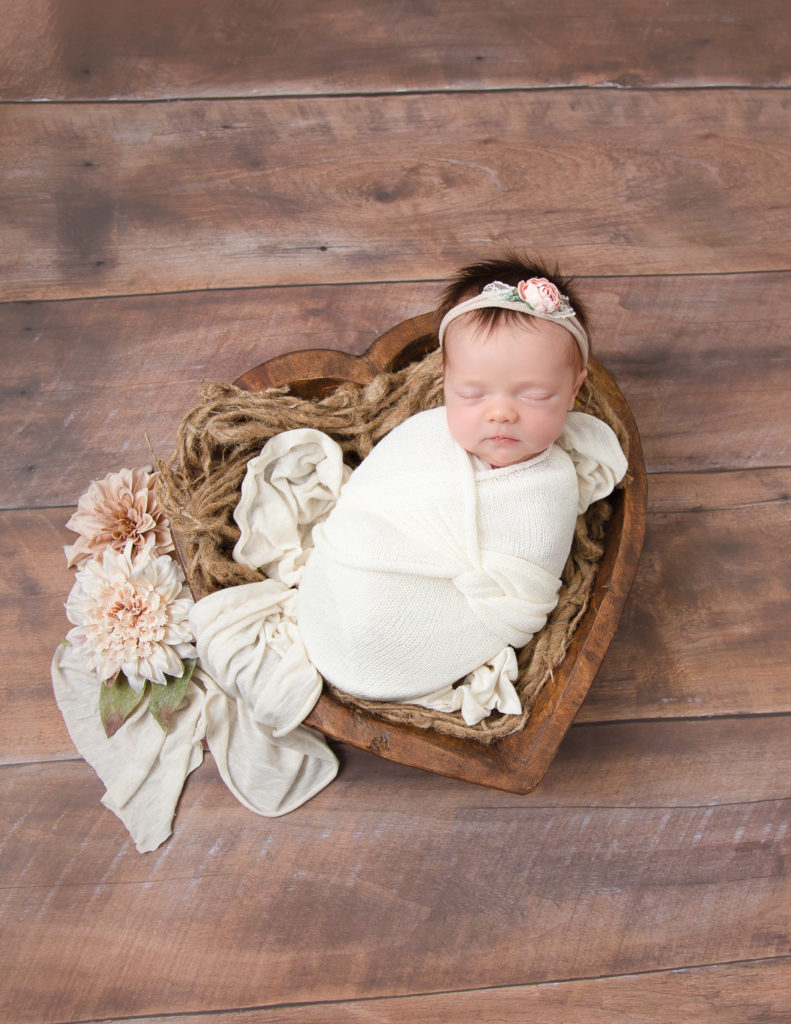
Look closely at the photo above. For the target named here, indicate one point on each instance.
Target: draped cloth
(142, 767)
(262, 687)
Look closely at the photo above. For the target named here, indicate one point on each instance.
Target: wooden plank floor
(188, 188)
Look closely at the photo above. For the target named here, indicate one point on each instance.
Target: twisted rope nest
(200, 486)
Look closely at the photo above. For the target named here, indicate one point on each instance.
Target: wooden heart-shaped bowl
(517, 762)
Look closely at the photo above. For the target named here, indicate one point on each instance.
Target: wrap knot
(510, 597)
(477, 585)
(490, 603)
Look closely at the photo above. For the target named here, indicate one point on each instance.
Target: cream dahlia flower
(120, 508)
(130, 614)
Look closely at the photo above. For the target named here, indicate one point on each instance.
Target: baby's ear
(577, 385)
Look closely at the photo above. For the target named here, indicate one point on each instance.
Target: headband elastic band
(536, 297)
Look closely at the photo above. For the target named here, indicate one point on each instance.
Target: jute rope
(200, 486)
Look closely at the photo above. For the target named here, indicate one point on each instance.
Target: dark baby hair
(511, 268)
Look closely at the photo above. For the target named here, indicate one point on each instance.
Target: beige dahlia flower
(120, 508)
(130, 614)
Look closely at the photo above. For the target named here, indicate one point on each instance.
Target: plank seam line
(592, 808)
(727, 716)
(197, 1014)
(66, 509)
(604, 724)
(489, 808)
(611, 723)
(599, 87)
(717, 471)
(781, 499)
(438, 282)
(494, 807)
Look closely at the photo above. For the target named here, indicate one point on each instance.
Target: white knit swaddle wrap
(426, 569)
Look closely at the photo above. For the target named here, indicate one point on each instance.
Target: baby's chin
(501, 460)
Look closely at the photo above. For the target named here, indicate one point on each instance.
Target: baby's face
(507, 391)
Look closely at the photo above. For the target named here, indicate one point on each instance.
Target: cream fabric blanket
(142, 767)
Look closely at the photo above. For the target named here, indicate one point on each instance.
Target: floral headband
(536, 297)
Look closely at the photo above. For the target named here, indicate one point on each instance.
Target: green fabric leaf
(117, 702)
(165, 700)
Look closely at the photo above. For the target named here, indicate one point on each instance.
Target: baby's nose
(502, 411)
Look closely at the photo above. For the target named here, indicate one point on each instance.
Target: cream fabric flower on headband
(540, 294)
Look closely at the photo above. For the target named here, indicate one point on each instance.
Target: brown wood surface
(729, 994)
(291, 191)
(678, 874)
(323, 168)
(88, 381)
(706, 623)
(142, 49)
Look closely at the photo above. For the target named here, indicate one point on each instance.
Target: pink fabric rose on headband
(540, 294)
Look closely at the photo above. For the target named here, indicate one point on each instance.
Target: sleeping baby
(445, 549)
(415, 577)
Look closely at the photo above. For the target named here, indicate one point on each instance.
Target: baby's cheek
(456, 422)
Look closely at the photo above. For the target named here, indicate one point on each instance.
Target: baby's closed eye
(533, 395)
